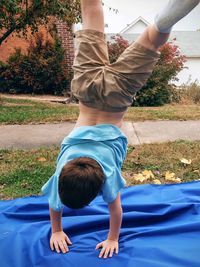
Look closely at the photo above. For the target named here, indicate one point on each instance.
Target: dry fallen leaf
(24, 185)
(139, 177)
(2, 186)
(42, 159)
(170, 176)
(148, 174)
(144, 176)
(156, 181)
(186, 161)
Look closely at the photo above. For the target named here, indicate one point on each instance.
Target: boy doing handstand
(91, 156)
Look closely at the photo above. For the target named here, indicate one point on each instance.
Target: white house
(137, 26)
(188, 41)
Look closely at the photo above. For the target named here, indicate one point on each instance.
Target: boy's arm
(115, 210)
(59, 240)
(111, 244)
(56, 220)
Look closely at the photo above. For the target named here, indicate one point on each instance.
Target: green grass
(160, 158)
(167, 112)
(18, 111)
(23, 172)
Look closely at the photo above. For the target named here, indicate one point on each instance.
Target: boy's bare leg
(92, 15)
(157, 34)
(152, 39)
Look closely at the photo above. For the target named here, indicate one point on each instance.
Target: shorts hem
(81, 33)
(144, 49)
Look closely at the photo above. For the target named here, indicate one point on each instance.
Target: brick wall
(8, 47)
(66, 35)
(13, 41)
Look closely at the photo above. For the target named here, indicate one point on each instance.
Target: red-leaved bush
(158, 90)
(117, 47)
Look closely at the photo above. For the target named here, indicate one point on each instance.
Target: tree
(42, 70)
(158, 89)
(19, 15)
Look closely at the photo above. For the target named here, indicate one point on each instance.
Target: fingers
(111, 252)
(68, 240)
(60, 246)
(116, 250)
(107, 250)
(63, 246)
(99, 245)
(51, 245)
(106, 253)
(102, 252)
(59, 242)
(56, 245)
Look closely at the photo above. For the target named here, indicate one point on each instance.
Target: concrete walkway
(33, 136)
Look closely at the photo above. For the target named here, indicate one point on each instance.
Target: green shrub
(41, 71)
(3, 82)
(158, 90)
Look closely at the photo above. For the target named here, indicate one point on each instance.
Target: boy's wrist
(113, 239)
(54, 231)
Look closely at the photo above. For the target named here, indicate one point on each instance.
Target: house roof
(188, 41)
(133, 23)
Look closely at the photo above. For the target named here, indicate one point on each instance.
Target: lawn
(18, 111)
(23, 172)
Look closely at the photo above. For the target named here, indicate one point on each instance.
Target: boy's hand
(60, 241)
(108, 247)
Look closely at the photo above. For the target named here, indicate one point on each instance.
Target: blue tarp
(161, 228)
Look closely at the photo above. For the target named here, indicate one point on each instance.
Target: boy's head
(80, 181)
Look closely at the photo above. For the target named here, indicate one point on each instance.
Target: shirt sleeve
(50, 189)
(113, 184)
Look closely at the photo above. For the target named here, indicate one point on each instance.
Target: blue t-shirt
(104, 143)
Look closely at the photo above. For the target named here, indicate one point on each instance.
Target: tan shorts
(104, 86)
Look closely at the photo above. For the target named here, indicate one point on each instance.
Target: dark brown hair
(80, 181)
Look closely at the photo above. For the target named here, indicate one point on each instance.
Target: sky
(129, 10)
